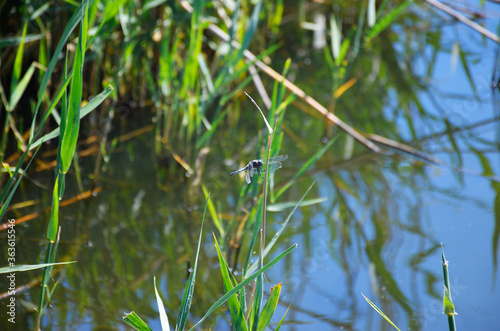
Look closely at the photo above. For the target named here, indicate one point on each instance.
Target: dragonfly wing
(279, 158)
(273, 166)
(247, 176)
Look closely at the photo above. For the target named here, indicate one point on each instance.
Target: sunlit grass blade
(21, 86)
(136, 322)
(387, 20)
(18, 62)
(225, 297)
(257, 225)
(213, 213)
(278, 207)
(269, 308)
(254, 20)
(306, 166)
(71, 127)
(188, 292)
(50, 257)
(70, 26)
(372, 13)
(379, 311)
(28, 267)
(448, 306)
(161, 309)
(237, 315)
(54, 215)
(91, 105)
(9, 190)
(336, 37)
(278, 327)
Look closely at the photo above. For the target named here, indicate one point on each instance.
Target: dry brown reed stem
(485, 32)
(289, 85)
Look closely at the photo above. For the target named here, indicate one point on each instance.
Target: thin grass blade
(237, 315)
(54, 215)
(372, 13)
(70, 132)
(6, 197)
(18, 62)
(188, 292)
(269, 308)
(226, 296)
(70, 26)
(28, 267)
(379, 311)
(18, 91)
(136, 322)
(306, 166)
(161, 309)
(91, 105)
(387, 20)
(213, 213)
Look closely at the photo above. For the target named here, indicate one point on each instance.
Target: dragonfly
(255, 167)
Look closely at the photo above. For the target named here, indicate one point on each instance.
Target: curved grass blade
(28, 267)
(188, 291)
(379, 311)
(71, 127)
(269, 308)
(238, 287)
(11, 181)
(254, 20)
(21, 86)
(385, 21)
(136, 322)
(54, 215)
(237, 316)
(94, 103)
(306, 166)
(73, 22)
(161, 310)
(18, 62)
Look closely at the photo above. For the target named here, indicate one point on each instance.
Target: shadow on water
(177, 124)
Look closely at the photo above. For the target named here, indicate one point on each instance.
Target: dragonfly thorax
(257, 163)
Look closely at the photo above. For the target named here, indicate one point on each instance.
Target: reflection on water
(378, 232)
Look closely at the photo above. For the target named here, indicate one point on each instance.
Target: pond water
(376, 229)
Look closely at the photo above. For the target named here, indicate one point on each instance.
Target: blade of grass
(387, 20)
(161, 309)
(306, 166)
(226, 296)
(28, 267)
(71, 128)
(136, 322)
(70, 26)
(213, 213)
(54, 214)
(18, 62)
(237, 316)
(372, 13)
(11, 181)
(188, 292)
(278, 233)
(269, 308)
(90, 106)
(377, 309)
(19, 89)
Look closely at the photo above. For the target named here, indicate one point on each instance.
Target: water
(377, 233)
